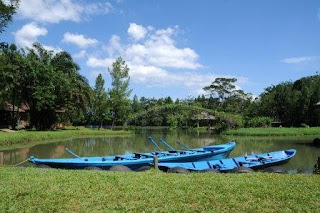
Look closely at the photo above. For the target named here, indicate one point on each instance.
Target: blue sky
(176, 47)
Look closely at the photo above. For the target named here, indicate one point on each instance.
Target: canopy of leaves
(6, 13)
(119, 93)
(293, 103)
(46, 81)
(99, 102)
(221, 87)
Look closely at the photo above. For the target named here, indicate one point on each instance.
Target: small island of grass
(274, 131)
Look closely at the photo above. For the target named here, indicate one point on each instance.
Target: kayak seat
(139, 155)
(118, 157)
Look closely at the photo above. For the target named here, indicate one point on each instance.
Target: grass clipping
(52, 190)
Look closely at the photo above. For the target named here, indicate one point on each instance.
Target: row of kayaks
(206, 158)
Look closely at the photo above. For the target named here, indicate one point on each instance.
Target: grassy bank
(23, 138)
(274, 131)
(41, 190)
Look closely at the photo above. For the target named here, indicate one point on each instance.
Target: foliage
(119, 93)
(12, 78)
(293, 103)
(6, 13)
(221, 87)
(259, 122)
(50, 190)
(225, 121)
(100, 108)
(182, 115)
(174, 115)
(47, 82)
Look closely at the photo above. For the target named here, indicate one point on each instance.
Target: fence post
(155, 162)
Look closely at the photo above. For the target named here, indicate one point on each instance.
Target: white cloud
(81, 54)
(29, 34)
(155, 60)
(159, 49)
(54, 49)
(96, 63)
(300, 59)
(98, 8)
(79, 40)
(54, 11)
(153, 76)
(114, 46)
(50, 11)
(136, 31)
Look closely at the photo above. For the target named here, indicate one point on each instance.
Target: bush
(225, 121)
(259, 122)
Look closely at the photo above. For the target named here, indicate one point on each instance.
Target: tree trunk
(13, 120)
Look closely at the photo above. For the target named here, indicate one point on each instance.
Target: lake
(303, 162)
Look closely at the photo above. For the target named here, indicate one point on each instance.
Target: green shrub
(225, 121)
(259, 122)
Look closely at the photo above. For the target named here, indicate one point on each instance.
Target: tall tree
(100, 109)
(52, 81)
(12, 76)
(221, 87)
(119, 93)
(6, 13)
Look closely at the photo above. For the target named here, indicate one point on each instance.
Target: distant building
(5, 114)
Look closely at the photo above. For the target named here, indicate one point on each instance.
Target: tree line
(54, 91)
(287, 104)
(50, 84)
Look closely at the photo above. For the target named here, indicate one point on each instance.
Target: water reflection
(303, 162)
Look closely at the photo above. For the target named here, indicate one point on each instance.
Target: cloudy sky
(176, 47)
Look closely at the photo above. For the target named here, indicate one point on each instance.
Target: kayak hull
(137, 160)
(259, 161)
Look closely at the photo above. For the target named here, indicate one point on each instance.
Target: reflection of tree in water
(58, 151)
(12, 157)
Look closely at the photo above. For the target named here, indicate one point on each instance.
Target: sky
(177, 47)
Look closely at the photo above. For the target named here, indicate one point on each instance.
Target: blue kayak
(137, 160)
(258, 161)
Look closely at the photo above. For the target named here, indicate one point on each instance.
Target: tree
(292, 103)
(52, 84)
(119, 93)
(222, 87)
(100, 104)
(12, 76)
(6, 13)
(78, 90)
(135, 105)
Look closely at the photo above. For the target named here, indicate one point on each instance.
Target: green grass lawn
(51, 190)
(29, 138)
(274, 131)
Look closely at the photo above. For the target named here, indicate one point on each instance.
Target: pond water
(303, 162)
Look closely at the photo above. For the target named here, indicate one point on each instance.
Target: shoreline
(274, 131)
(23, 138)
